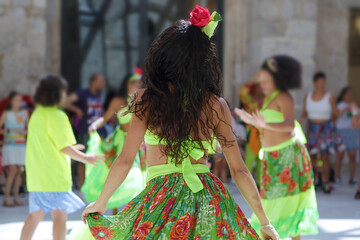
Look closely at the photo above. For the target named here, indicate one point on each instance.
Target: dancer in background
(323, 139)
(350, 136)
(286, 188)
(112, 146)
(178, 114)
(49, 148)
(86, 104)
(15, 120)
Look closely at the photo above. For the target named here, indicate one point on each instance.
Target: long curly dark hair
(286, 71)
(183, 80)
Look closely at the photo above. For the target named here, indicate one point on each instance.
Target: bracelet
(267, 225)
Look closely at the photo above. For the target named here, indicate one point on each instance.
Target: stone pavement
(339, 216)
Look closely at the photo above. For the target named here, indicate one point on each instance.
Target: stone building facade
(316, 32)
(29, 43)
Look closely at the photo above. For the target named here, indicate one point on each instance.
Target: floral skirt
(324, 138)
(168, 209)
(95, 176)
(287, 191)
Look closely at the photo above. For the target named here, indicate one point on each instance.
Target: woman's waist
(165, 169)
(272, 138)
(319, 120)
(278, 145)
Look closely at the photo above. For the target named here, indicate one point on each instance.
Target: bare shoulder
(218, 103)
(285, 98)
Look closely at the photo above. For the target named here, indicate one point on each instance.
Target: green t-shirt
(48, 169)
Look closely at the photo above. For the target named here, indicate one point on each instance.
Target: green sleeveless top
(124, 119)
(188, 169)
(273, 116)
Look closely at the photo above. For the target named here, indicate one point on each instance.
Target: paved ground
(339, 216)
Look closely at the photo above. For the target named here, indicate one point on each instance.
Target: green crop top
(124, 119)
(188, 169)
(271, 116)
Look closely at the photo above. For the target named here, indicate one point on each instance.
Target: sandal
(6, 203)
(18, 203)
(357, 195)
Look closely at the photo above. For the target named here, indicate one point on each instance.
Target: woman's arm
(115, 105)
(238, 169)
(121, 166)
(286, 105)
(336, 112)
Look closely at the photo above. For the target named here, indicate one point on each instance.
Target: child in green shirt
(51, 144)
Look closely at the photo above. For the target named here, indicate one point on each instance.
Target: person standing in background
(86, 104)
(15, 121)
(349, 135)
(323, 139)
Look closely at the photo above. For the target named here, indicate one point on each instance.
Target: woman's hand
(244, 116)
(268, 232)
(92, 128)
(94, 158)
(258, 119)
(93, 207)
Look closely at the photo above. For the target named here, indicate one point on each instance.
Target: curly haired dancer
(286, 187)
(179, 113)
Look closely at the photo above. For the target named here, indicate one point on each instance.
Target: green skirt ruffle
(287, 190)
(168, 209)
(95, 176)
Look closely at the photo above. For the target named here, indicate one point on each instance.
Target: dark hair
(285, 70)
(10, 97)
(48, 92)
(183, 81)
(342, 94)
(94, 76)
(123, 89)
(319, 75)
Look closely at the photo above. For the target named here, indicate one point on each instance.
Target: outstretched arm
(121, 166)
(238, 169)
(240, 173)
(115, 105)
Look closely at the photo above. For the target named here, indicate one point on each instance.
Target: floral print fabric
(168, 209)
(285, 172)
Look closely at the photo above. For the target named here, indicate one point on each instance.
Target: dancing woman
(112, 146)
(179, 113)
(286, 188)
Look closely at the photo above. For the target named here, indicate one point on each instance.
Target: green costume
(96, 175)
(181, 201)
(286, 188)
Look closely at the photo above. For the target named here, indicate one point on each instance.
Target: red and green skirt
(168, 209)
(287, 190)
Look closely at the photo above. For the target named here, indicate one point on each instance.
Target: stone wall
(332, 41)
(29, 43)
(283, 27)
